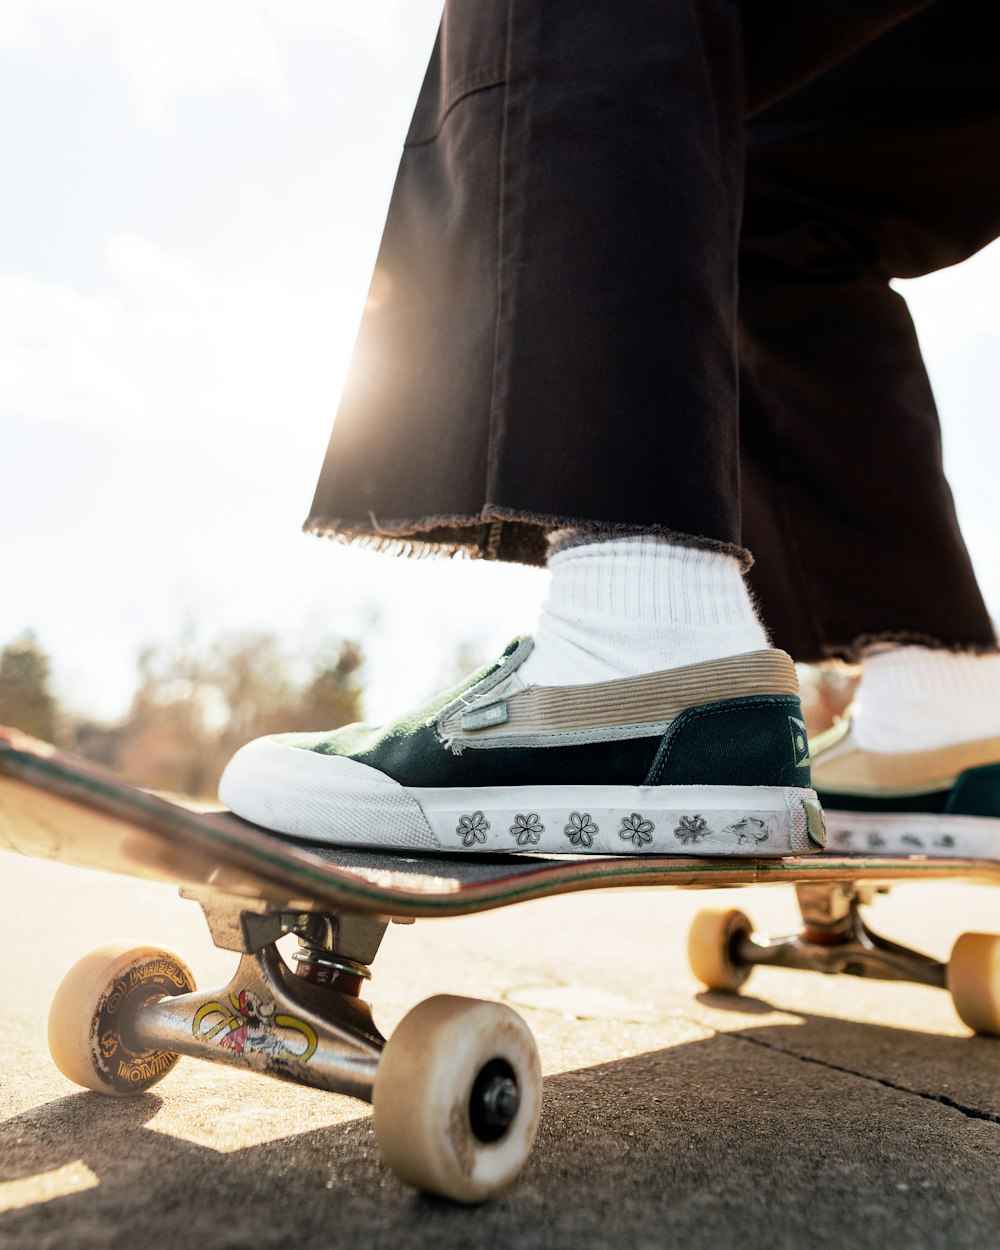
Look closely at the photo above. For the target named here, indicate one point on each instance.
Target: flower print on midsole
(625, 820)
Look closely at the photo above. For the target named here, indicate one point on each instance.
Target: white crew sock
(918, 698)
(625, 606)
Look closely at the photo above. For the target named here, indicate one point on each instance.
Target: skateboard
(456, 1089)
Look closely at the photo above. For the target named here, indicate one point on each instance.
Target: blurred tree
(465, 660)
(25, 699)
(196, 705)
(333, 696)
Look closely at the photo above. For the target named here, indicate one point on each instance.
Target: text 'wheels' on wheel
(91, 1035)
(457, 1097)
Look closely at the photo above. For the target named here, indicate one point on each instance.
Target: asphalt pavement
(809, 1112)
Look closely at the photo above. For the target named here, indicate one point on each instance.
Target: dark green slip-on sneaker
(709, 759)
(944, 802)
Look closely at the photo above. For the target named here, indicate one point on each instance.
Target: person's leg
(883, 167)
(550, 336)
(550, 343)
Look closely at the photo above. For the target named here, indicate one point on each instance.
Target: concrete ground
(810, 1112)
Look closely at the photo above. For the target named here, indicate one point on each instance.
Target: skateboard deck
(456, 1089)
(55, 806)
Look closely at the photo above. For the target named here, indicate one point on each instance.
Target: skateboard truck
(723, 950)
(309, 1025)
(455, 1091)
(835, 939)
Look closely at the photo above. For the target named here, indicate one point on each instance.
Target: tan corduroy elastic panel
(651, 698)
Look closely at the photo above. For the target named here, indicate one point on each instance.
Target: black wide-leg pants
(635, 277)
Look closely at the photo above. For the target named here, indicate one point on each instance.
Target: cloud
(169, 49)
(14, 28)
(165, 50)
(171, 348)
(370, 20)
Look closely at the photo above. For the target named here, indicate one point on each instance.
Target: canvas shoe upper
(709, 759)
(941, 802)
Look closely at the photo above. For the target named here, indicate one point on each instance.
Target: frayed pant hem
(497, 534)
(854, 652)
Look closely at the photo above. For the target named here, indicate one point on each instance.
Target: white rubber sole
(329, 799)
(900, 833)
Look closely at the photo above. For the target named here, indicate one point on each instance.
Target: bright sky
(193, 196)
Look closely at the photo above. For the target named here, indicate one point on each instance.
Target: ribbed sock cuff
(622, 607)
(664, 583)
(918, 698)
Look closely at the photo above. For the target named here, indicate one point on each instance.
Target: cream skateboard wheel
(712, 940)
(457, 1097)
(974, 981)
(92, 1016)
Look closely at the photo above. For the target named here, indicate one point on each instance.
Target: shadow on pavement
(742, 1003)
(882, 1138)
